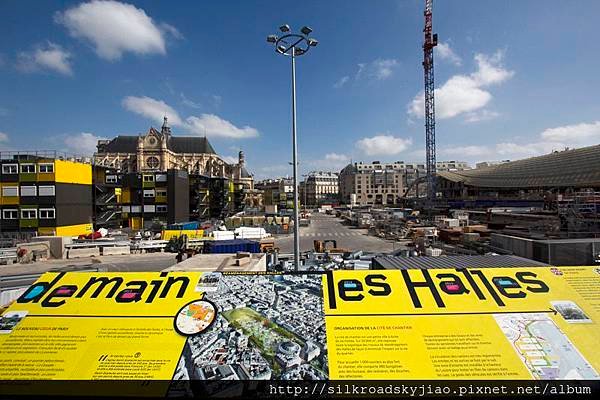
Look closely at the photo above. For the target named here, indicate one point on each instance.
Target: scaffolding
(580, 212)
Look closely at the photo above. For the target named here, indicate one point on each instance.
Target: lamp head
(306, 30)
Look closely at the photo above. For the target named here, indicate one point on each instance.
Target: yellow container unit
(135, 223)
(73, 198)
(74, 230)
(9, 193)
(167, 234)
(46, 196)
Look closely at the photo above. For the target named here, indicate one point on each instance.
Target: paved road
(325, 227)
(125, 263)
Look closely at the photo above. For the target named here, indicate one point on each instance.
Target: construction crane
(429, 43)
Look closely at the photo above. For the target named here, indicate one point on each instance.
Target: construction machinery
(430, 41)
(321, 246)
(183, 246)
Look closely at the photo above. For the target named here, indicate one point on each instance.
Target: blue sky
(513, 79)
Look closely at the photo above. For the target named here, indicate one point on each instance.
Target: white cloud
(205, 124)
(335, 157)
(82, 143)
(272, 171)
(466, 151)
(552, 139)
(152, 109)
(188, 102)
(445, 52)
(230, 159)
(331, 162)
(171, 30)
(501, 151)
(383, 69)
(379, 69)
(524, 150)
(213, 125)
(4, 139)
(466, 94)
(490, 70)
(49, 56)
(578, 133)
(115, 28)
(383, 145)
(341, 82)
(481, 115)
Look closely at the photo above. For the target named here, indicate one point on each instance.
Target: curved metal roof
(576, 167)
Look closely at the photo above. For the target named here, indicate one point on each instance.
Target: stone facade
(161, 151)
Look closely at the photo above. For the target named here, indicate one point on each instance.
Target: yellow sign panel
(96, 326)
(496, 323)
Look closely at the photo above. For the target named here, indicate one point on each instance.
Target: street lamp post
(294, 45)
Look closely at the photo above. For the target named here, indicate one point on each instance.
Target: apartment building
(380, 183)
(371, 184)
(320, 187)
(278, 192)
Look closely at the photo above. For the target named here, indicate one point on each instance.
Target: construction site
(543, 209)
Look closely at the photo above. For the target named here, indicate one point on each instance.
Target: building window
(10, 214)
(47, 213)
(10, 191)
(28, 191)
(161, 177)
(28, 168)
(149, 208)
(46, 191)
(111, 179)
(29, 214)
(46, 168)
(149, 193)
(161, 193)
(152, 162)
(161, 208)
(148, 178)
(9, 168)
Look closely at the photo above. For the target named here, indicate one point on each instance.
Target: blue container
(231, 246)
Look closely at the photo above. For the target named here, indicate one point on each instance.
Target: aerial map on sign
(544, 348)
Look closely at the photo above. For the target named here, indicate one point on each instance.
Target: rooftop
(177, 144)
(391, 262)
(220, 263)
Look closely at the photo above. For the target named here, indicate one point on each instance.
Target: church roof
(177, 144)
(245, 173)
(121, 144)
(181, 144)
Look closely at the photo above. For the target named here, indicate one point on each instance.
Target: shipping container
(231, 246)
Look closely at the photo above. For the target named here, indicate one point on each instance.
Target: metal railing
(17, 155)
